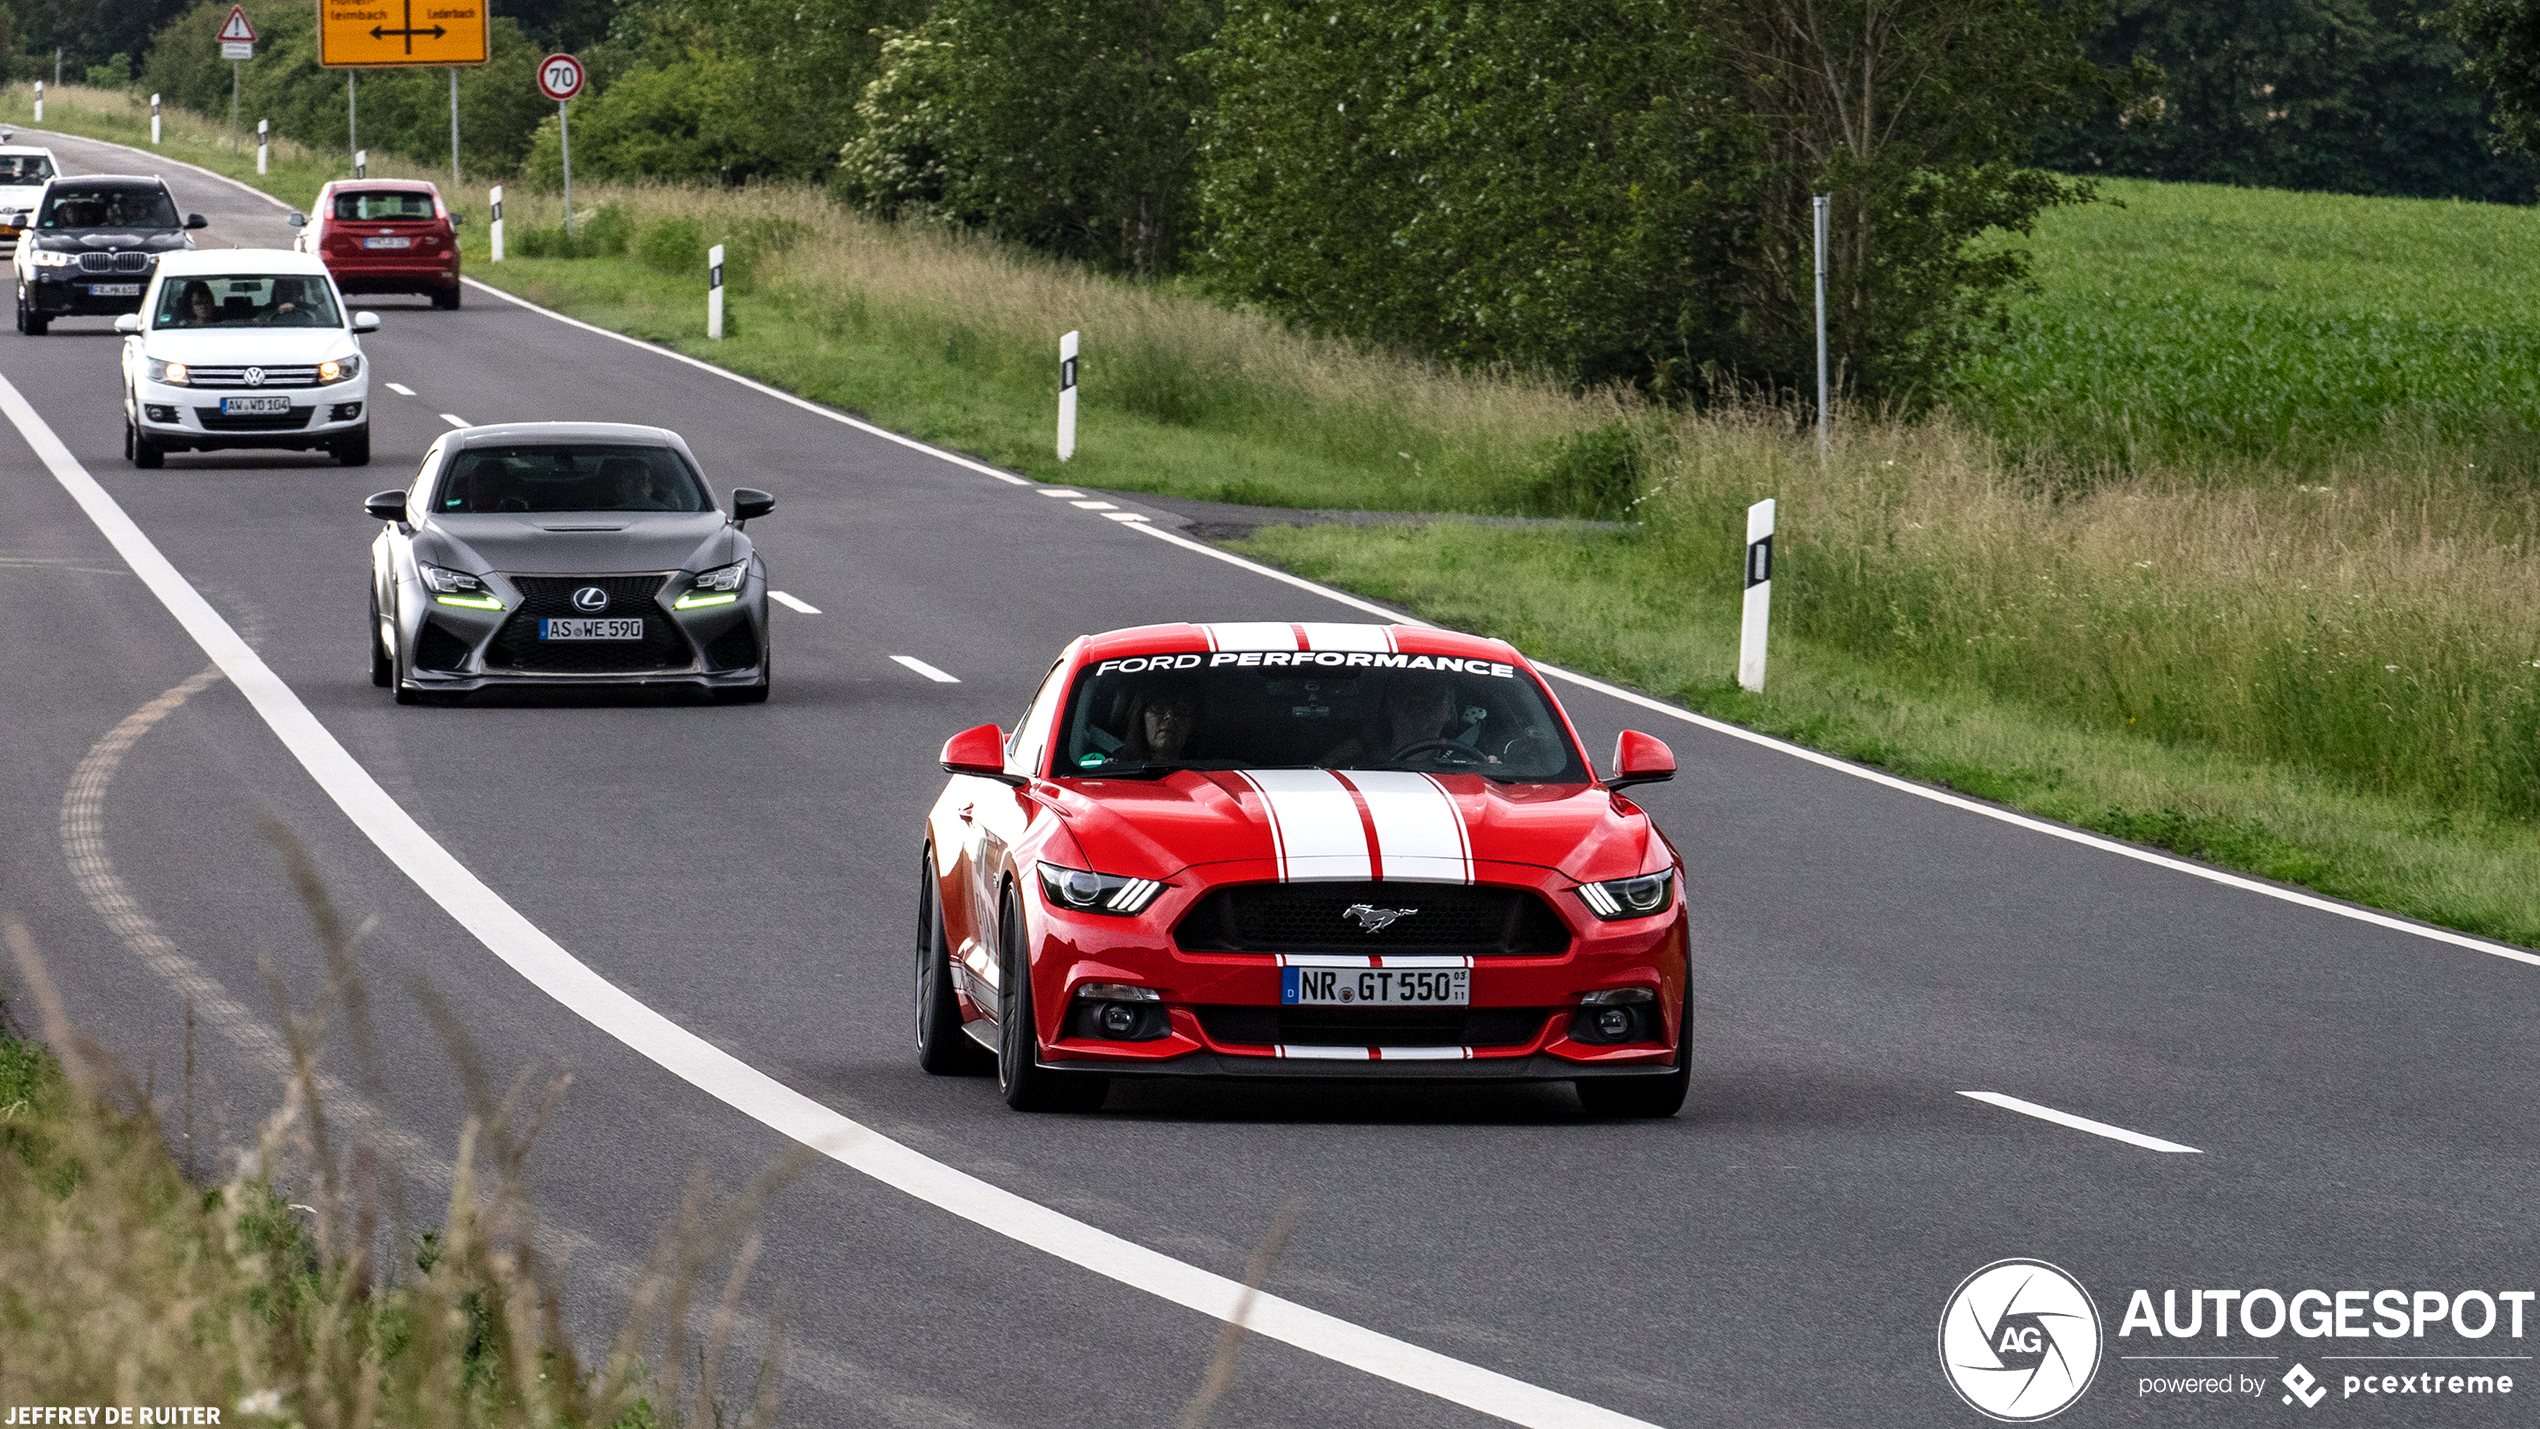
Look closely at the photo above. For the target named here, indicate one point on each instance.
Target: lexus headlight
(720, 586)
(54, 258)
(458, 588)
(1629, 897)
(174, 374)
(339, 369)
(1083, 892)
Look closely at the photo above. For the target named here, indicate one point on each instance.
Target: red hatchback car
(1300, 851)
(385, 236)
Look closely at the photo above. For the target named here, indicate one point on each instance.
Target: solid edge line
(2080, 1123)
(510, 936)
(2243, 883)
(929, 671)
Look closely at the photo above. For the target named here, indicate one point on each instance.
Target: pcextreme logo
(2019, 1341)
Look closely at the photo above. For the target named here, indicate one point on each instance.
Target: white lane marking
(1419, 830)
(1093, 505)
(1123, 516)
(401, 389)
(2294, 896)
(2080, 1123)
(559, 974)
(1314, 825)
(1060, 491)
(790, 603)
(455, 420)
(921, 667)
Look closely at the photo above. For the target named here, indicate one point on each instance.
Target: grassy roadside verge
(2328, 681)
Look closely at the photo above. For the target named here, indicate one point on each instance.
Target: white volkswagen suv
(244, 347)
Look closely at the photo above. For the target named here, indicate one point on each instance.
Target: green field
(2187, 321)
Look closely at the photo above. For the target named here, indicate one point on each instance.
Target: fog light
(346, 411)
(1614, 1022)
(156, 413)
(1119, 1018)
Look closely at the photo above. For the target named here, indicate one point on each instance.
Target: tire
(383, 666)
(1645, 1096)
(31, 322)
(942, 1047)
(754, 694)
(447, 299)
(354, 450)
(127, 439)
(147, 454)
(1028, 1086)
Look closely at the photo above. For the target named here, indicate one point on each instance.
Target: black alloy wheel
(942, 1047)
(1646, 1096)
(1029, 1086)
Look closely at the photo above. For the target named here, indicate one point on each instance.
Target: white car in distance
(244, 347)
(23, 170)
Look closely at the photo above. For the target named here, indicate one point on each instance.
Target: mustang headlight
(54, 258)
(174, 374)
(458, 588)
(339, 369)
(1629, 897)
(720, 586)
(1083, 892)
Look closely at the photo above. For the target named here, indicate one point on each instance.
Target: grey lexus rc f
(566, 553)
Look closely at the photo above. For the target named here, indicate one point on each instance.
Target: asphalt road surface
(2359, 1096)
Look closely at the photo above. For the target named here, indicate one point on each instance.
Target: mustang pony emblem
(1372, 919)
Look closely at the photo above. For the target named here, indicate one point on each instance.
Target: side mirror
(365, 322)
(979, 751)
(457, 219)
(298, 220)
(196, 220)
(386, 505)
(128, 322)
(748, 501)
(1641, 759)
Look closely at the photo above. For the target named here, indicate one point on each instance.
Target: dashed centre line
(921, 667)
(1093, 505)
(2080, 1123)
(455, 420)
(790, 603)
(1060, 491)
(401, 389)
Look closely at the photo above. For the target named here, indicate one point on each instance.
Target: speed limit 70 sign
(560, 77)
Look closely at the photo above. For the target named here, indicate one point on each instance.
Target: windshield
(569, 478)
(247, 300)
(25, 168)
(1278, 710)
(78, 206)
(375, 204)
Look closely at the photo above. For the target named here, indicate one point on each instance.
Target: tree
(2502, 43)
(2347, 96)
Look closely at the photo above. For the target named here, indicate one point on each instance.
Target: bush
(1595, 474)
(603, 234)
(674, 245)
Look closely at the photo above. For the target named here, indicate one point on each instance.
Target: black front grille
(437, 648)
(290, 421)
(517, 646)
(1374, 1026)
(1476, 920)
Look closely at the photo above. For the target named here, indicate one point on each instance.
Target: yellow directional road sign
(363, 33)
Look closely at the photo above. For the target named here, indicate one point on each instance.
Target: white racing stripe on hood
(1314, 823)
(1419, 832)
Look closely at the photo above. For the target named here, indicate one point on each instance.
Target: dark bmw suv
(90, 245)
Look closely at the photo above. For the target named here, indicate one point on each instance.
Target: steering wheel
(1446, 751)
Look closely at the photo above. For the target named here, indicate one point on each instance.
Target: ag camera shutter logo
(2019, 1341)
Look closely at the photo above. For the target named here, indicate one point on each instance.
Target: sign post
(498, 222)
(237, 45)
(263, 133)
(454, 126)
(154, 121)
(1067, 397)
(1759, 594)
(560, 79)
(1823, 201)
(714, 292)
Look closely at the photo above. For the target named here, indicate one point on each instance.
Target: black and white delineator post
(1824, 201)
(1067, 397)
(361, 163)
(39, 99)
(714, 292)
(264, 135)
(154, 121)
(1759, 594)
(498, 222)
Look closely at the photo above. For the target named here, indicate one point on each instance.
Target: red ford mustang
(1271, 850)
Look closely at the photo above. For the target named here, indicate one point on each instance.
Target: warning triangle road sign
(236, 27)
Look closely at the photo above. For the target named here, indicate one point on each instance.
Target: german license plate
(1376, 987)
(388, 243)
(604, 629)
(254, 406)
(114, 290)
